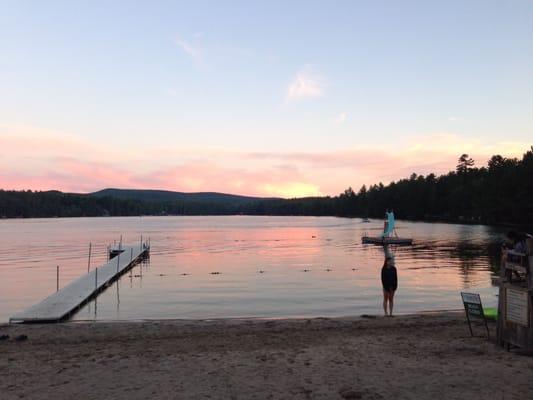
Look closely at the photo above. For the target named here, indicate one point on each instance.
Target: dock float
(62, 304)
(386, 240)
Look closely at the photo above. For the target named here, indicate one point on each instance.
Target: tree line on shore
(501, 192)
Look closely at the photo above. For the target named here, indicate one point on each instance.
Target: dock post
(96, 278)
(57, 276)
(120, 243)
(131, 254)
(118, 261)
(141, 243)
(89, 262)
(118, 296)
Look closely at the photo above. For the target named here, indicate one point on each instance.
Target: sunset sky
(258, 98)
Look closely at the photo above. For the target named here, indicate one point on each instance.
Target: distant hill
(170, 196)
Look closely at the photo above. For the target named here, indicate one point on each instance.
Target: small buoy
(328, 269)
(261, 271)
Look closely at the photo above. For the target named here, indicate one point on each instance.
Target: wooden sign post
(474, 310)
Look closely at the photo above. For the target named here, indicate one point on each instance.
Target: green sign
(474, 309)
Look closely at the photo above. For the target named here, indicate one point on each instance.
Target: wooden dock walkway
(67, 300)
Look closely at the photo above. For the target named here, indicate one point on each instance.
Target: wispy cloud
(207, 53)
(306, 84)
(171, 92)
(194, 51)
(454, 119)
(341, 118)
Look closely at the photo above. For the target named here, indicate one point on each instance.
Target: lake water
(312, 266)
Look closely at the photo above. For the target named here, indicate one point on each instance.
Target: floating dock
(62, 304)
(386, 240)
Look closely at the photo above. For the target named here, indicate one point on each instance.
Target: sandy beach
(424, 356)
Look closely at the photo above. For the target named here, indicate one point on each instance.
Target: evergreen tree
(464, 165)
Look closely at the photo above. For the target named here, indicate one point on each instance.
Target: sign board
(516, 307)
(473, 309)
(472, 303)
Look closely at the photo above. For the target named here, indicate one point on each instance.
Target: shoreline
(423, 355)
(458, 311)
(524, 226)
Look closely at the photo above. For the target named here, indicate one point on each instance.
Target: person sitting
(514, 247)
(514, 253)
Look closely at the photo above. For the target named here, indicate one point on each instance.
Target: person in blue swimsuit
(389, 280)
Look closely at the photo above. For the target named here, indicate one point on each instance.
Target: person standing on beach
(389, 280)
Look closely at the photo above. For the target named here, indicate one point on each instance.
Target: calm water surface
(312, 266)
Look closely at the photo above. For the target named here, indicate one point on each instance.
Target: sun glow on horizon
(291, 190)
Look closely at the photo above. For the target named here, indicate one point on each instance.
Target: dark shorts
(390, 288)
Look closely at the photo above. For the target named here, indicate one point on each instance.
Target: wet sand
(424, 356)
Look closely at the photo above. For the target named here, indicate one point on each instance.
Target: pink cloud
(32, 159)
(211, 176)
(67, 175)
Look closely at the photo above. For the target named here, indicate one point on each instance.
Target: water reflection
(342, 275)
